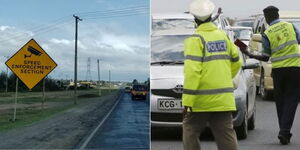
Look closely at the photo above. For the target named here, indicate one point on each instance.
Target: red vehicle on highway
(138, 92)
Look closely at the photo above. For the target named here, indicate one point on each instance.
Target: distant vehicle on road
(139, 92)
(166, 77)
(127, 89)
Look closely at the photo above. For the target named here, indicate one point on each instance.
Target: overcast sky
(121, 43)
(231, 8)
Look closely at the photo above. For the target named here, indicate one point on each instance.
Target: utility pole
(75, 73)
(109, 82)
(98, 61)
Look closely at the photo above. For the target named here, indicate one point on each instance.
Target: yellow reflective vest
(211, 61)
(284, 45)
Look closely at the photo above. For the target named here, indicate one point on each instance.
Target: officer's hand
(220, 10)
(245, 51)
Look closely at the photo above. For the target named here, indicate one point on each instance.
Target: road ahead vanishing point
(126, 127)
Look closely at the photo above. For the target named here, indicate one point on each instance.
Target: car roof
(177, 31)
(187, 16)
(172, 16)
(284, 15)
(240, 27)
(289, 14)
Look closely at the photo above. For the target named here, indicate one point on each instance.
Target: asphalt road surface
(263, 137)
(127, 127)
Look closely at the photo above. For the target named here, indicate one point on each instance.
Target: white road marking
(100, 124)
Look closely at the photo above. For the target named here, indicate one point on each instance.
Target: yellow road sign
(31, 63)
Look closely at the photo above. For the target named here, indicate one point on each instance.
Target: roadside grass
(56, 96)
(27, 116)
(63, 101)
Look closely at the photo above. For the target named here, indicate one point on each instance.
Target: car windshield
(242, 34)
(139, 87)
(166, 24)
(167, 49)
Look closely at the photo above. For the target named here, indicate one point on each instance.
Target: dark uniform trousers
(219, 122)
(287, 95)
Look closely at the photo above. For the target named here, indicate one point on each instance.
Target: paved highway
(264, 137)
(127, 127)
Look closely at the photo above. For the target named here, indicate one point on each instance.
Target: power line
(117, 12)
(113, 10)
(39, 30)
(115, 16)
(104, 14)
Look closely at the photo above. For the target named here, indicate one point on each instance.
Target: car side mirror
(256, 37)
(251, 64)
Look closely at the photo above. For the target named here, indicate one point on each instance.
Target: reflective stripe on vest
(284, 45)
(284, 57)
(208, 92)
(202, 41)
(210, 58)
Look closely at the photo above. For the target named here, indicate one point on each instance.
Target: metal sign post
(43, 100)
(16, 98)
(109, 82)
(30, 64)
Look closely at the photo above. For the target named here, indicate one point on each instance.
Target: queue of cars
(166, 75)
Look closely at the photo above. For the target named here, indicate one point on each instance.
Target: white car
(171, 21)
(166, 75)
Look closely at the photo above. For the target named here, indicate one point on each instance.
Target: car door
(251, 86)
(256, 46)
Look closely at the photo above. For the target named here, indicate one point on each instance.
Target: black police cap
(270, 9)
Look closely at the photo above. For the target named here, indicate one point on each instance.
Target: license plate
(169, 104)
(139, 93)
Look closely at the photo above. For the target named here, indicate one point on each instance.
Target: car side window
(257, 27)
(226, 23)
(222, 22)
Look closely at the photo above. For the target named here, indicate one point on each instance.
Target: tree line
(50, 84)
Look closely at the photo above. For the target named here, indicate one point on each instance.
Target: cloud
(2, 28)
(60, 41)
(126, 55)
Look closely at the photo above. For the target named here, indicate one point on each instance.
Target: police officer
(211, 61)
(280, 43)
